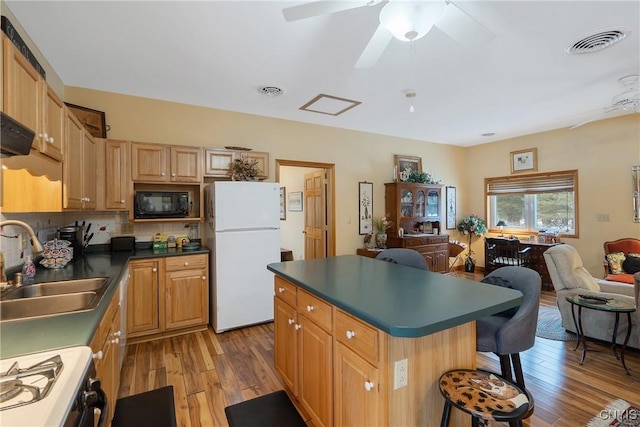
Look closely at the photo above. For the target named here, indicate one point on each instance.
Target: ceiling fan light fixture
(409, 21)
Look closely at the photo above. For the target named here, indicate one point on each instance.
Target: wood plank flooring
(210, 371)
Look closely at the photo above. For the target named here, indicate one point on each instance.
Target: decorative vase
(469, 267)
(381, 240)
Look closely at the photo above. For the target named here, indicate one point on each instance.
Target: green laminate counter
(401, 301)
(19, 337)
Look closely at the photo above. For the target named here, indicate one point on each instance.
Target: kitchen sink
(51, 298)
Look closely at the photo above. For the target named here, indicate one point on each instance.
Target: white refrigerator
(242, 232)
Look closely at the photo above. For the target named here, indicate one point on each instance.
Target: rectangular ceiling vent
(331, 105)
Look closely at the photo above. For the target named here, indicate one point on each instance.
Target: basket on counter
(56, 254)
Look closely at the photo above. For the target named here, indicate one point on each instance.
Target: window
(546, 201)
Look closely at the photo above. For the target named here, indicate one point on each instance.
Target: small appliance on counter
(75, 235)
(123, 244)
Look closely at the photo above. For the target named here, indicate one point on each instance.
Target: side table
(612, 305)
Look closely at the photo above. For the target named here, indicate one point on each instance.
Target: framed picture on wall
(283, 204)
(405, 165)
(451, 207)
(295, 201)
(524, 160)
(365, 207)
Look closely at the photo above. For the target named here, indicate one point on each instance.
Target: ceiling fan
(405, 20)
(627, 101)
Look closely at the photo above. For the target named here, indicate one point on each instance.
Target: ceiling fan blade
(462, 27)
(374, 49)
(317, 8)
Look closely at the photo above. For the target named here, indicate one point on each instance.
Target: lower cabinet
(434, 249)
(167, 296)
(105, 346)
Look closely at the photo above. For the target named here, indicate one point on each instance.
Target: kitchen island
(363, 342)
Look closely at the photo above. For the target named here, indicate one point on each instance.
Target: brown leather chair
(501, 252)
(626, 245)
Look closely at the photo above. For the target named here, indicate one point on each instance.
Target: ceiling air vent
(597, 41)
(271, 91)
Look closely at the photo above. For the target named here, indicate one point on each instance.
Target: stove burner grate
(12, 382)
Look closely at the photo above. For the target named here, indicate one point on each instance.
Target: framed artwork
(365, 207)
(451, 207)
(92, 120)
(405, 165)
(283, 204)
(295, 201)
(524, 160)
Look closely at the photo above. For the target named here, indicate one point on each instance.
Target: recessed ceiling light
(271, 91)
(488, 134)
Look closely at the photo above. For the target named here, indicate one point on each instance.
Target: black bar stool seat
(484, 395)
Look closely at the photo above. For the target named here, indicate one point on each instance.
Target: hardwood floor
(210, 371)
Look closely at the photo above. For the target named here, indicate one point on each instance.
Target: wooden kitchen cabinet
(167, 296)
(79, 166)
(433, 248)
(51, 136)
(408, 204)
(218, 162)
(115, 185)
(105, 346)
(303, 355)
(165, 163)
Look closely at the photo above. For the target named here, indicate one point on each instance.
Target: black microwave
(161, 204)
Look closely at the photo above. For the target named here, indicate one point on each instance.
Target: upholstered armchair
(613, 264)
(569, 277)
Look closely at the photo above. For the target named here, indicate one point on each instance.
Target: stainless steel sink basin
(51, 298)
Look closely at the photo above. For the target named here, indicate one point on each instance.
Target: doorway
(321, 241)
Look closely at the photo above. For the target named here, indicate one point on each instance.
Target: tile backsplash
(104, 225)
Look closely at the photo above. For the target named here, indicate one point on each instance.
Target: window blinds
(554, 182)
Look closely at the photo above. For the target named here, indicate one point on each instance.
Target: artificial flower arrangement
(381, 224)
(471, 225)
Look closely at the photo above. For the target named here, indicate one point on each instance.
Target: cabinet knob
(296, 327)
(310, 308)
(98, 355)
(291, 321)
(351, 334)
(52, 140)
(173, 174)
(115, 341)
(281, 290)
(154, 269)
(186, 263)
(368, 385)
(122, 202)
(204, 277)
(117, 334)
(162, 174)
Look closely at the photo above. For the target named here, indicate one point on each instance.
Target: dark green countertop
(401, 301)
(19, 337)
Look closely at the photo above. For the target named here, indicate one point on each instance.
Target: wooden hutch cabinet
(409, 205)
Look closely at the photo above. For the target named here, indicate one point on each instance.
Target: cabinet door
(357, 390)
(186, 299)
(72, 170)
(440, 261)
(21, 96)
(218, 163)
(186, 164)
(116, 175)
(315, 391)
(149, 162)
(285, 337)
(142, 298)
(406, 203)
(52, 133)
(88, 177)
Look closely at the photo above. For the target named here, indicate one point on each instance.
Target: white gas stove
(46, 389)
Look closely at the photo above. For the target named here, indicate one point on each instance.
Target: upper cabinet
(28, 99)
(218, 162)
(79, 166)
(165, 163)
(409, 204)
(114, 158)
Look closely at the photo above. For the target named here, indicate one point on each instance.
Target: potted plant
(381, 225)
(471, 225)
(422, 177)
(244, 170)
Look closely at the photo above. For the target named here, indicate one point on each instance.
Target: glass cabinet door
(406, 203)
(433, 204)
(421, 203)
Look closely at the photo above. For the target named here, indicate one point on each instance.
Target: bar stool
(485, 396)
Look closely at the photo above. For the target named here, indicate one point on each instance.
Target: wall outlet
(401, 374)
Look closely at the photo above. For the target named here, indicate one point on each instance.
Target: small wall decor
(92, 120)
(365, 207)
(524, 160)
(283, 203)
(451, 207)
(295, 201)
(635, 175)
(405, 165)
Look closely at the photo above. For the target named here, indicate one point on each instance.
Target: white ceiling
(220, 54)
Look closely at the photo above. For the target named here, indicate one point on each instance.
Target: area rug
(550, 325)
(270, 410)
(618, 413)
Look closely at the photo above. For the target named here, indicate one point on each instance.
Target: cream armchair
(569, 277)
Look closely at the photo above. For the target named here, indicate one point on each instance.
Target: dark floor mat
(271, 410)
(153, 408)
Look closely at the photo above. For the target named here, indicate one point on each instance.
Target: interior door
(315, 217)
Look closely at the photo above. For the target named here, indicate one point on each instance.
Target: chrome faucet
(36, 246)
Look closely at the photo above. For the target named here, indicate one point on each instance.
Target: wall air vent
(598, 41)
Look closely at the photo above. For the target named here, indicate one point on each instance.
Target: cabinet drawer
(364, 338)
(314, 309)
(185, 262)
(285, 291)
(410, 242)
